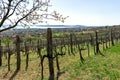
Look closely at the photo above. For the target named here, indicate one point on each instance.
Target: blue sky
(88, 12)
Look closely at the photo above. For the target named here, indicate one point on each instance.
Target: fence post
(50, 54)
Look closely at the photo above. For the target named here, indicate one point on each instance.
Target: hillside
(77, 56)
(94, 68)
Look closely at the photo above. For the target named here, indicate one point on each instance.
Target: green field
(94, 68)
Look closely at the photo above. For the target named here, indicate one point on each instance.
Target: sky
(88, 12)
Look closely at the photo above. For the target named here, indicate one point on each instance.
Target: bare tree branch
(14, 12)
(14, 8)
(5, 17)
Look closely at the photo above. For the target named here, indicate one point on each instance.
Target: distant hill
(37, 29)
(57, 26)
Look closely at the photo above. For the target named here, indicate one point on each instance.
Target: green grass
(94, 68)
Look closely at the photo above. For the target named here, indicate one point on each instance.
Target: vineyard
(50, 52)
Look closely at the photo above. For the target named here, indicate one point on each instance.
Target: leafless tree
(24, 12)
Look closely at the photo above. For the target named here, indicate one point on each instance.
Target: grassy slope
(94, 68)
(97, 67)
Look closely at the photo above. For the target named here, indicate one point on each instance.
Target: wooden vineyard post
(88, 46)
(50, 54)
(27, 55)
(112, 39)
(68, 46)
(106, 43)
(17, 43)
(9, 55)
(109, 38)
(97, 44)
(103, 43)
(0, 53)
(71, 44)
